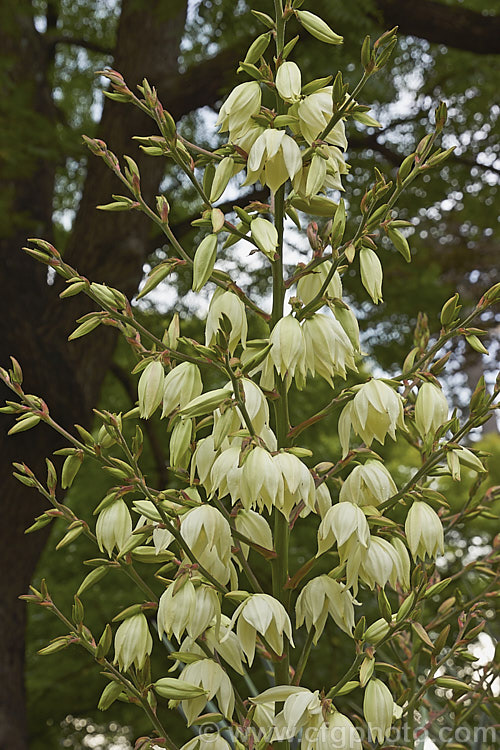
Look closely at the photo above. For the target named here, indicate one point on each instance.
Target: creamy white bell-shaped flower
(175, 609)
(289, 81)
(133, 642)
(323, 596)
(379, 563)
(338, 733)
(205, 529)
(150, 388)
(245, 139)
(288, 346)
(328, 348)
(162, 539)
(206, 609)
(113, 527)
(254, 527)
(207, 741)
(431, 409)
(424, 531)
(314, 113)
(342, 523)
(222, 640)
(256, 405)
(226, 303)
(378, 708)
(240, 106)
(181, 385)
(401, 570)
(309, 286)
(226, 423)
(209, 675)
(203, 460)
(323, 499)
(375, 411)
(302, 707)
(274, 158)
(368, 484)
(324, 172)
(301, 711)
(226, 473)
(298, 484)
(261, 482)
(261, 613)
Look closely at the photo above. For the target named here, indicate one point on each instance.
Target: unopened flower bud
(431, 409)
(204, 261)
(223, 173)
(376, 631)
(265, 236)
(317, 27)
(172, 688)
(289, 81)
(371, 273)
(205, 403)
(150, 388)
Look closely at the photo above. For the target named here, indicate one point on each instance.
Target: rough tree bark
(33, 324)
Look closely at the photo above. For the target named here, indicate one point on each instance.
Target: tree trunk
(67, 376)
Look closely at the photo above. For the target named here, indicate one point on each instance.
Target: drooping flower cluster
(241, 483)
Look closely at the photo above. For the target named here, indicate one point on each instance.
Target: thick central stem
(281, 528)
